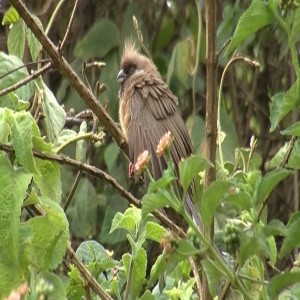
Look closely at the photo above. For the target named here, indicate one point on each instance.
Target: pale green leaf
(11, 16)
(155, 231)
(16, 39)
(257, 16)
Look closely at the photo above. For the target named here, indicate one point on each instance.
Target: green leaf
(48, 179)
(10, 75)
(139, 272)
(127, 221)
(211, 198)
(21, 135)
(274, 228)
(55, 116)
(280, 282)
(111, 154)
(213, 275)
(295, 27)
(165, 33)
(5, 130)
(10, 17)
(292, 130)
(102, 38)
(50, 235)
(58, 289)
(189, 168)
(269, 182)
(33, 43)
(257, 16)
(186, 248)
(16, 39)
(158, 268)
(283, 103)
(292, 238)
(13, 186)
(155, 231)
(92, 252)
(273, 250)
(147, 296)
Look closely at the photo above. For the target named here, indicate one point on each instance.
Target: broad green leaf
(165, 33)
(155, 231)
(295, 27)
(186, 248)
(274, 228)
(269, 182)
(5, 130)
(283, 103)
(254, 245)
(158, 268)
(48, 179)
(50, 235)
(102, 38)
(211, 198)
(273, 250)
(11, 16)
(10, 75)
(55, 116)
(189, 168)
(280, 282)
(147, 296)
(33, 44)
(292, 237)
(83, 210)
(183, 61)
(213, 275)
(58, 288)
(16, 39)
(111, 154)
(139, 272)
(163, 182)
(257, 16)
(11, 199)
(21, 135)
(64, 137)
(292, 130)
(127, 221)
(92, 252)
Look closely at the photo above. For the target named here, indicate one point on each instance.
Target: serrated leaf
(292, 237)
(280, 282)
(186, 248)
(283, 103)
(155, 231)
(50, 235)
(16, 39)
(10, 73)
(55, 116)
(33, 43)
(10, 17)
(102, 37)
(189, 168)
(213, 275)
(48, 179)
(124, 221)
(269, 182)
(211, 198)
(257, 16)
(158, 268)
(292, 130)
(139, 273)
(21, 135)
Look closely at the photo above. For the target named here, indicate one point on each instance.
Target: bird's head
(134, 63)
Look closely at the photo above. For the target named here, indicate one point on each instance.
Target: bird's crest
(130, 48)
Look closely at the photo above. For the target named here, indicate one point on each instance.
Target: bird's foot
(131, 170)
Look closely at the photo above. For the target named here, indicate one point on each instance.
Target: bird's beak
(121, 76)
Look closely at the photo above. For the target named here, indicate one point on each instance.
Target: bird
(147, 111)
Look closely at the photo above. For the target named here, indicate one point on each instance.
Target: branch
(26, 80)
(91, 170)
(74, 80)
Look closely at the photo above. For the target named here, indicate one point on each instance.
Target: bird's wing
(153, 113)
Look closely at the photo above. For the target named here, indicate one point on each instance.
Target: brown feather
(148, 110)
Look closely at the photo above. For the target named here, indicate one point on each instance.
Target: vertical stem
(211, 108)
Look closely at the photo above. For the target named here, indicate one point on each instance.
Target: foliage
(240, 259)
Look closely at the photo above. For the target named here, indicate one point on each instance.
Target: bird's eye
(130, 69)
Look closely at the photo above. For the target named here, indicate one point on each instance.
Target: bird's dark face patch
(128, 68)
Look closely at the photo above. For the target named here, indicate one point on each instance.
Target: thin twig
(91, 170)
(62, 44)
(26, 80)
(74, 80)
(288, 151)
(72, 191)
